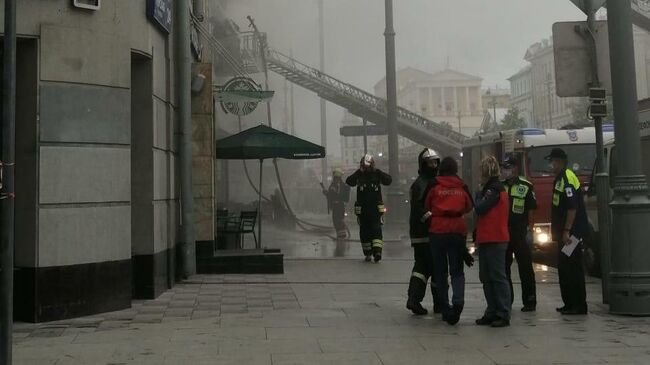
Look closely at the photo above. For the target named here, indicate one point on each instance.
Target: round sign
(240, 84)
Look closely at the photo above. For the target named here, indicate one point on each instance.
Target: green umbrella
(260, 143)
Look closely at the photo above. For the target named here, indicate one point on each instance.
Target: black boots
(452, 316)
(529, 308)
(376, 253)
(417, 289)
(416, 307)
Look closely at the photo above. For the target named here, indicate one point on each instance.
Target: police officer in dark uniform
(569, 225)
(419, 222)
(522, 201)
(369, 206)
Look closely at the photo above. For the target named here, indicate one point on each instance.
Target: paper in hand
(568, 249)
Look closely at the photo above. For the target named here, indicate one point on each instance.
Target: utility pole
(365, 136)
(494, 111)
(323, 105)
(184, 74)
(534, 122)
(602, 177)
(391, 94)
(285, 109)
(550, 100)
(293, 109)
(264, 48)
(630, 261)
(7, 196)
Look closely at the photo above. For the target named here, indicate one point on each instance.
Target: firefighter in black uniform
(569, 224)
(419, 221)
(520, 224)
(369, 206)
(338, 195)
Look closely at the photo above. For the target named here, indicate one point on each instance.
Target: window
(581, 159)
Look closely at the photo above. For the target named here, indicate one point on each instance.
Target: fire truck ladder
(365, 105)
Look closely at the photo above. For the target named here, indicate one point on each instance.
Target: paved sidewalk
(332, 311)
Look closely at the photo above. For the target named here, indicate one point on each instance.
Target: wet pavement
(319, 243)
(330, 307)
(331, 311)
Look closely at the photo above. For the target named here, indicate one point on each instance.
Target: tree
(512, 120)
(579, 111)
(579, 115)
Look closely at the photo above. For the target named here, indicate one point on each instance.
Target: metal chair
(222, 219)
(247, 221)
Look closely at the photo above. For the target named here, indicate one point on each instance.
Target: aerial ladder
(365, 105)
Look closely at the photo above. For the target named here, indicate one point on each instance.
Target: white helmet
(368, 160)
(429, 154)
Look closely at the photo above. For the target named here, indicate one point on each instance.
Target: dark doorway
(26, 179)
(142, 175)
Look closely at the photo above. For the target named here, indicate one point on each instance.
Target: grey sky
(487, 38)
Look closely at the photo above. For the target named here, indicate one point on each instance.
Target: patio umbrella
(261, 143)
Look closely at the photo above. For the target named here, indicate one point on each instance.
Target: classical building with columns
(447, 96)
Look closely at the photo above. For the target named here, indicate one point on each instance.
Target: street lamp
(391, 94)
(630, 258)
(7, 203)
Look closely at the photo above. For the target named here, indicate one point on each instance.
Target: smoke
(484, 38)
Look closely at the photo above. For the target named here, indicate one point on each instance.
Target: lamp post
(391, 94)
(323, 105)
(7, 203)
(630, 259)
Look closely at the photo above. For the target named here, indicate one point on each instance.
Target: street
(330, 310)
(176, 178)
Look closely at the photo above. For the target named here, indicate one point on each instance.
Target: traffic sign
(640, 10)
(160, 12)
(357, 131)
(596, 4)
(573, 58)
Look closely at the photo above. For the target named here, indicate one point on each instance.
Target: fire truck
(531, 145)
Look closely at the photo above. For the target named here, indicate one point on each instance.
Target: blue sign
(160, 12)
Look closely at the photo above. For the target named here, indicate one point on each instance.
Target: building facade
(533, 87)
(97, 184)
(495, 98)
(449, 97)
(642, 62)
(521, 86)
(549, 110)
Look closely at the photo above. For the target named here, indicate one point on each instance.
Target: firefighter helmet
(368, 161)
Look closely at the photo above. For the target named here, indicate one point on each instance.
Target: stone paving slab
(362, 358)
(331, 312)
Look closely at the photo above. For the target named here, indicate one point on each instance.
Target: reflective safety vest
(358, 209)
(560, 187)
(518, 193)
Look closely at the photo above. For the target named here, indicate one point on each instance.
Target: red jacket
(448, 202)
(493, 209)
